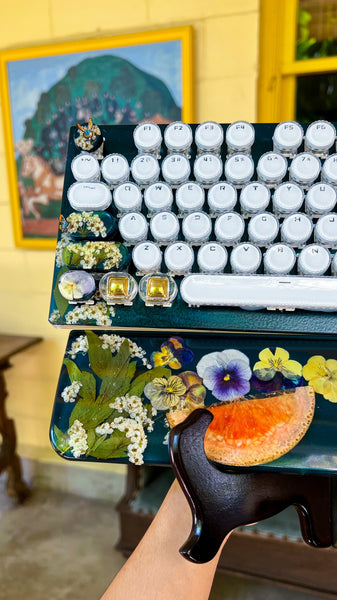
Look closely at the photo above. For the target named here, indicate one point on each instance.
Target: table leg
(9, 460)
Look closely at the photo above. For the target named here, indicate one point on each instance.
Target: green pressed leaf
(101, 360)
(88, 389)
(66, 256)
(120, 362)
(137, 389)
(90, 415)
(131, 369)
(61, 303)
(73, 371)
(138, 384)
(72, 259)
(91, 439)
(61, 439)
(113, 447)
(100, 439)
(113, 387)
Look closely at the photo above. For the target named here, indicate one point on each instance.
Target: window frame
(278, 67)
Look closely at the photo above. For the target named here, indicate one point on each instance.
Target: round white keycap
(145, 169)
(254, 197)
(287, 198)
(296, 229)
(240, 136)
(127, 197)
(221, 197)
(190, 197)
(326, 230)
(175, 168)
(304, 168)
(208, 168)
(133, 227)
(329, 170)
(321, 198)
(313, 260)
(239, 169)
(89, 196)
(263, 229)
(179, 258)
(319, 136)
(209, 136)
(147, 137)
(147, 257)
(279, 259)
(245, 258)
(272, 167)
(197, 227)
(115, 169)
(85, 167)
(287, 137)
(164, 227)
(158, 197)
(178, 136)
(212, 258)
(229, 228)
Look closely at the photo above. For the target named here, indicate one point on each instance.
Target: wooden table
(9, 460)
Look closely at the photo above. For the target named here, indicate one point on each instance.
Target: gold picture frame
(34, 114)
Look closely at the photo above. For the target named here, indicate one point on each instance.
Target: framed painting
(114, 80)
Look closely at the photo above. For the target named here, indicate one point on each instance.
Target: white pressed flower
(118, 421)
(77, 439)
(104, 320)
(61, 244)
(70, 392)
(137, 460)
(55, 316)
(105, 429)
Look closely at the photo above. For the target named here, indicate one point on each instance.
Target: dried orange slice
(249, 432)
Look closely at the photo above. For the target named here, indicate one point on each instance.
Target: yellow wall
(226, 51)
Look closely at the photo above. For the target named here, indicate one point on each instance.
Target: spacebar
(260, 291)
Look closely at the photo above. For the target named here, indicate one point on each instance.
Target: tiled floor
(61, 547)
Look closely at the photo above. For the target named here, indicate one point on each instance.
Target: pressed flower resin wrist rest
(273, 398)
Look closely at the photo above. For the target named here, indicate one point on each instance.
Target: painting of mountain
(48, 95)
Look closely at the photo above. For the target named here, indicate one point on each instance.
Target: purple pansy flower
(279, 382)
(172, 353)
(226, 374)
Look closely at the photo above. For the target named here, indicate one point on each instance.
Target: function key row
(240, 136)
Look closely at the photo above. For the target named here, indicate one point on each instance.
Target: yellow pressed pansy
(165, 393)
(322, 376)
(271, 363)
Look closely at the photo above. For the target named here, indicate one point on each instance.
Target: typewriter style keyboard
(211, 215)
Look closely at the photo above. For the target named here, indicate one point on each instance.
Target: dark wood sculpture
(222, 499)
